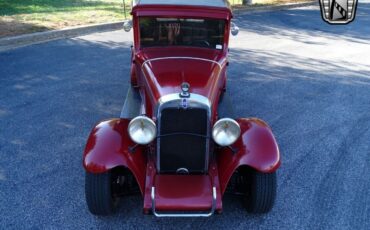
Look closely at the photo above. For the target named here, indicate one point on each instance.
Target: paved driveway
(309, 80)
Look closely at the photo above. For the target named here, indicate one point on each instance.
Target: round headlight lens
(142, 130)
(226, 131)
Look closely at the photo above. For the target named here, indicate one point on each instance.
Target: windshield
(207, 33)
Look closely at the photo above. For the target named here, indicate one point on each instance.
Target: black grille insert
(183, 140)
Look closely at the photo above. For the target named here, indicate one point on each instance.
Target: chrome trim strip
(196, 98)
(214, 198)
(181, 170)
(192, 58)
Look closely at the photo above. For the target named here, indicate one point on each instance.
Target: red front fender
(108, 147)
(256, 148)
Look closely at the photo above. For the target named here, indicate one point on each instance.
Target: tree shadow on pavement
(301, 22)
(13, 27)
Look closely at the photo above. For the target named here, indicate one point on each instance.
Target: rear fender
(256, 147)
(108, 147)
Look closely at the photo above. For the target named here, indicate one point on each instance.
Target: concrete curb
(274, 7)
(34, 38)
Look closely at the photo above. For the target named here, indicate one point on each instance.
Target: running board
(132, 105)
(200, 214)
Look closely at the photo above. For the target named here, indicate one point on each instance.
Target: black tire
(261, 192)
(99, 194)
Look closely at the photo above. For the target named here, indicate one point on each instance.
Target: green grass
(24, 16)
(12, 7)
(236, 2)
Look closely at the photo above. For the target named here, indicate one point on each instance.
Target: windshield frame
(224, 39)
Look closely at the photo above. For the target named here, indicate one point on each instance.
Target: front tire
(261, 192)
(99, 193)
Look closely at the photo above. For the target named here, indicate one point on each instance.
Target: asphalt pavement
(309, 80)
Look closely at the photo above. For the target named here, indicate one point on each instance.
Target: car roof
(212, 3)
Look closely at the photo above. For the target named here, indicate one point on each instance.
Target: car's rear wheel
(99, 193)
(261, 191)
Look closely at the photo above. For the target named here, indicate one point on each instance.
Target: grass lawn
(27, 16)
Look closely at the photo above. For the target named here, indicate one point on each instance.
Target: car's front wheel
(261, 191)
(99, 193)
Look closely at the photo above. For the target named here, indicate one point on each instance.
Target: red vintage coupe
(177, 140)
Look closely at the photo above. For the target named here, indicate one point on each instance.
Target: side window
(147, 31)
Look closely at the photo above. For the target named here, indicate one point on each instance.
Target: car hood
(164, 72)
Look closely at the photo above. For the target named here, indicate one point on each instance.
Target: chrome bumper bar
(208, 214)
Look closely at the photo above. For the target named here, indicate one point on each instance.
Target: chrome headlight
(142, 130)
(226, 131)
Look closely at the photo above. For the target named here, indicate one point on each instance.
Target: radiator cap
(185, 87)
